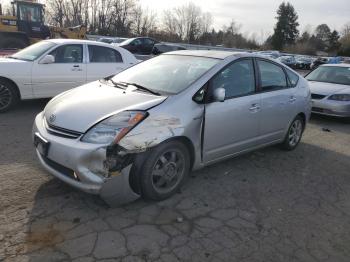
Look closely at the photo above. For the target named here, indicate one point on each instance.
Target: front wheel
(8, 96)
(294, 134)
(165, 170)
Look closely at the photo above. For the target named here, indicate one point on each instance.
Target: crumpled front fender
(117, 191)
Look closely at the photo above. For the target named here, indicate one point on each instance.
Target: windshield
(167, 74)
(106, 40)
(34, 51)
(127, 41)
(331, 74)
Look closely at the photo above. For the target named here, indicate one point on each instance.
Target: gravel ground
(269, 205)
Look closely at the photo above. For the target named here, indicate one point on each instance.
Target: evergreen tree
(327, 40)
(323, 32)
(334, 42)
(286, 30)
(305, 37)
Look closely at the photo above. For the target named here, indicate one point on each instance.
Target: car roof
(218, 54)
(139, 37)
(337, 65)
(77, 41)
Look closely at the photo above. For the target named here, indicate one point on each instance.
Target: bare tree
(193, 21)
(122, 11)
(207, 22)
(346, 29)
(187, 21)
(144, 21)
(56, 12)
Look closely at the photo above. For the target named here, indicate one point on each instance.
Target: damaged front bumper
(92, 168)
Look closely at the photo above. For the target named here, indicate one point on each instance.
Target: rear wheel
(294, 134)
(8, 95)
(165, 170)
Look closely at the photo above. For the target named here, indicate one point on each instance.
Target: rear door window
(148, 41)
(100, 54)
(272, 76)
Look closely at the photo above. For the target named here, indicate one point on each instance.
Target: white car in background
(50, 67)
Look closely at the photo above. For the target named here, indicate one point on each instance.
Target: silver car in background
(330, 90)
(142, 131)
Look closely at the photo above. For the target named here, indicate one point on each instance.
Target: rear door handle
(76, 68)
(292, 99)
(254, 108)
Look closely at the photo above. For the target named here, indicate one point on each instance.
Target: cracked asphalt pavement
(269, 205)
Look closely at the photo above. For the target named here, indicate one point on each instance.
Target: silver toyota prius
(330, 90)
(140, 133)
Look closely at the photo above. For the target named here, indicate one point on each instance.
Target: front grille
(62, 132)
(58, 167)
(317, 96)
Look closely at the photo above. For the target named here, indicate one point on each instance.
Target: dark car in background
(161, 48)
(111, 40)
(288, 60)
(303, 62)
(139, 45)
(319, 61)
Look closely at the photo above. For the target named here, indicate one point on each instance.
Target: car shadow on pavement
(261, 206)
(328, 123)
(15, 129)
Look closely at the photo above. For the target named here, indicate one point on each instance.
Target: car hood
(7, 63)
(326, 89)
(80, 108)
(9, 60)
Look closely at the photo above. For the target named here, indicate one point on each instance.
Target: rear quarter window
(293, 78)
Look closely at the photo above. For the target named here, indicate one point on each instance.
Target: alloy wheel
(5, 96)
(295, 132)
(168, 171)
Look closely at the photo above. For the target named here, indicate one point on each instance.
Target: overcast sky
(258, 16)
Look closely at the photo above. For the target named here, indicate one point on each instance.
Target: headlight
(340, 97)
(114, 128)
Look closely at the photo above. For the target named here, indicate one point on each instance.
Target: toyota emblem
(52, 118)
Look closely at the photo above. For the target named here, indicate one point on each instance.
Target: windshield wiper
(142, 88)
(117, 84)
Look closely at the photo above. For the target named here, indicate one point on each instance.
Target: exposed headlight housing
(114, 128)
(340, 97)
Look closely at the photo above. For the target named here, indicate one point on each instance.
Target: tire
(294, 134)
(8, 95)
(165, 170)
(13, 42)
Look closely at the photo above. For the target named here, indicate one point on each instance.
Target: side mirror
(219, 94)
(48, 59)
